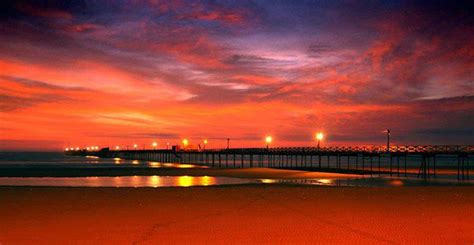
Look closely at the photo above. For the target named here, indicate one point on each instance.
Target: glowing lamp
(268, 139)
(154, 144)
(320, 136)
(185, 142)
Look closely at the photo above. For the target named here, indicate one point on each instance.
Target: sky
(106, 73)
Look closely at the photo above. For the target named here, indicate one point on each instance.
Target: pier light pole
(135, 146)
(268, 140)
(167, 145)
(154, 145)
(388, 140)
(319, 137)
(228, 143)
(204, 144)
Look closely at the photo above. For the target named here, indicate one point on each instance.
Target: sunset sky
(108, 73)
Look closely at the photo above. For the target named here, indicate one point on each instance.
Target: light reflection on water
(173, 165)
(186, 181)
(123, 181)
(328, 182)
(366, 182)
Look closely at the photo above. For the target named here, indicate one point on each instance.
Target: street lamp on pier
(185, 142)
(268, 140)
(319, 137)
(388, 139)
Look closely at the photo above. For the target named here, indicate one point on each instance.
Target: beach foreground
(236, 215)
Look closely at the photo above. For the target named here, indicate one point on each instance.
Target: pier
(400, 161)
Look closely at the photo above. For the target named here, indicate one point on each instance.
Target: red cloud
(83, 27)
(215, 15)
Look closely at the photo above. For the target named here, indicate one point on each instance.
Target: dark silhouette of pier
(420, 161)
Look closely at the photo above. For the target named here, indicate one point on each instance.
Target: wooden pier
(420, 161)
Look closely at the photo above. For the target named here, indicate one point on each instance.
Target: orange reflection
(268, 181)
(154, 181)
(135, 181)
(206, 180)
(185, 181)
(117, 181)
(154, 164)
(94, 180)
(178, 165)
(325, 181)
(396, 182)
(135, 162)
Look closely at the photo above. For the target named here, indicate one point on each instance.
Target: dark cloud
(28, 145)
(137, 135)
(448, 132)
(41, 84)
(11, 103)
(319, 50)
(253, 60)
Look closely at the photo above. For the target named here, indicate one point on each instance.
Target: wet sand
(265, 214)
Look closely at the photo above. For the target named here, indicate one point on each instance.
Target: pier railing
(420, 149)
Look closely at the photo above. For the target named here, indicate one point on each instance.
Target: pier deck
(419, 161)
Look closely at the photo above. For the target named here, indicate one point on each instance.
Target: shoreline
(171, 171)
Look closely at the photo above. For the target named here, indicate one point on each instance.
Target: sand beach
(264, 214)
